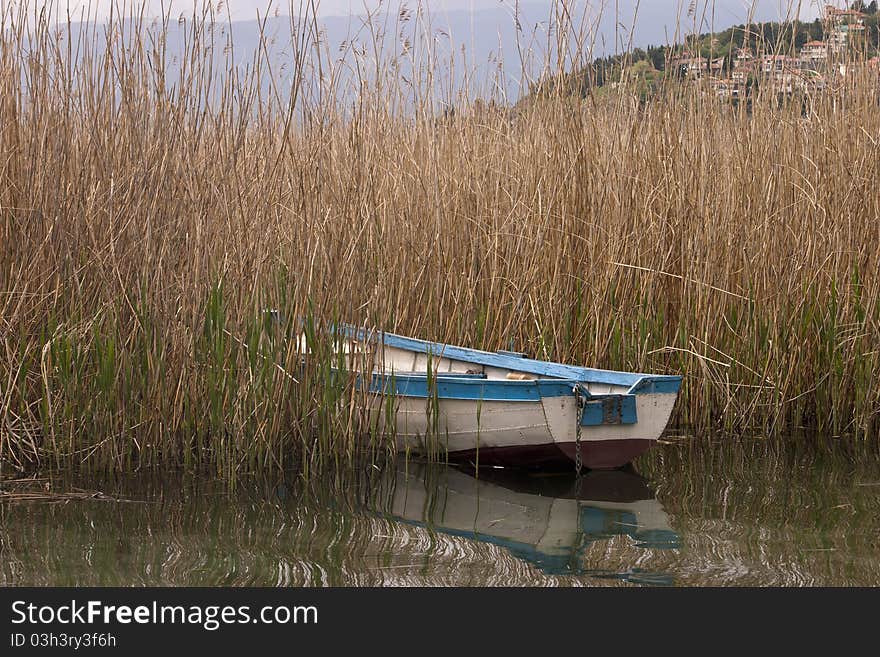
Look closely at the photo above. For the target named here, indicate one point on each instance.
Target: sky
(726, 12)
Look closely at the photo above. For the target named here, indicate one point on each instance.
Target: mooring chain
(579, 402)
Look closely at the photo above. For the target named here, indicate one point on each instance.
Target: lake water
(691, 512)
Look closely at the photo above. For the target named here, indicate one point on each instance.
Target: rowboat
(502, 408)
(547, 521)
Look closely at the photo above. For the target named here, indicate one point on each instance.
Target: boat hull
(595, 454)
(535, 434)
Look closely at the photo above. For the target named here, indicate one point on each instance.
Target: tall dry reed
(149, 219)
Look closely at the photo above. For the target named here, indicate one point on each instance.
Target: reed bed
(150, 219)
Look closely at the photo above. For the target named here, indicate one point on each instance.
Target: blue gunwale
(471, 388)
(450, 386)
(636, 383)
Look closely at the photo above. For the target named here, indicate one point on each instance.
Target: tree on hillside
(870, 8)
(658, 57)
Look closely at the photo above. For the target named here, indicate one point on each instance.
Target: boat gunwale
(635, 382)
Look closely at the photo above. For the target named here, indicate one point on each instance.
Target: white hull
(461, 426)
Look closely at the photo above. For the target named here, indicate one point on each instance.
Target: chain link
(579, 402)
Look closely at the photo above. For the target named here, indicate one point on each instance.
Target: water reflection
(723, 512)
(547, 521)
(411, 525)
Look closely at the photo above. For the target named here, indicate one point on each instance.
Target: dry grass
(144, 229)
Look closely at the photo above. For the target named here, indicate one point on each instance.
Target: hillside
(647, 66)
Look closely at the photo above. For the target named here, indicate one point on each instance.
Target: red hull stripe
(595, 454)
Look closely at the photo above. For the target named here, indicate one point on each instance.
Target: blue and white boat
(501, 408)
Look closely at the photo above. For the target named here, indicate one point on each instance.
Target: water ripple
(719, 513)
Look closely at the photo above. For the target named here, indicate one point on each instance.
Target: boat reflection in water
(546, 520)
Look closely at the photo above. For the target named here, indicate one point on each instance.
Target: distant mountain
(490, 51)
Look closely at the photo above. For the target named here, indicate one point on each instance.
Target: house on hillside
(720, 88)
(689, 66)
(782, 72)
(743, 66)
(726, 88)
(774, 65)
(808, 80)
(814, 52)
(843, 28)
